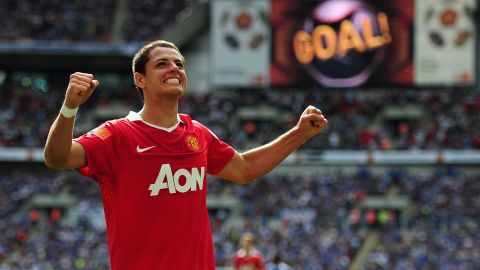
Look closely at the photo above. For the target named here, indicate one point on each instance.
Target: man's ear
(139, 79)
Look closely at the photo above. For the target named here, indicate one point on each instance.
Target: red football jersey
(153, 185)
(254, 261)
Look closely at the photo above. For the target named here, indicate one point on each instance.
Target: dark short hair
(143, 55)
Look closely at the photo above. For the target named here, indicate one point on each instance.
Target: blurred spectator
(248, 257)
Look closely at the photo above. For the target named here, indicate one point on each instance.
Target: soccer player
(151, 165)
(248, 257)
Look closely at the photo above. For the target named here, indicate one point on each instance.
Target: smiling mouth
(173, 81)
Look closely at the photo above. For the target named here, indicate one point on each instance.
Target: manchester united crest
(192, 143)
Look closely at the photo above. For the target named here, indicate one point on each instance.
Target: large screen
(344, 43)
(349, 43)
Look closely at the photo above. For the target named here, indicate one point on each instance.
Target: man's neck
(248, 251)
(162, 115)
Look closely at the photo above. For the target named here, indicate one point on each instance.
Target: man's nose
(173, 67)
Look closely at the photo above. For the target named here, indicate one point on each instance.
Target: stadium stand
(142, 20)
(442, 232)
(362, 120)
(317, 215)
(56, 20)
(306, 216)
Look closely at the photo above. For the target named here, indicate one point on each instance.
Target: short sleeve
(219, 154)
(236, 260)
(261, 260)
(97, 144)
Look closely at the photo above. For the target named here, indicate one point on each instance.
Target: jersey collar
(134, 116)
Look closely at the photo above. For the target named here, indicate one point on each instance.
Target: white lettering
(173, 180)
(176, 177)
(197, 177)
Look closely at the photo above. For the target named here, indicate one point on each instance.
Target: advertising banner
(240, 43)
(445, 42)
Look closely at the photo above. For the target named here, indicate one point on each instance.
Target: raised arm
(61, 152)
(246, 167)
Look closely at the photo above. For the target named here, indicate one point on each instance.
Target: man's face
(247, 241)
(164, 73)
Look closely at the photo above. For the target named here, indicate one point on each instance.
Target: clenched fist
(80, 87)
(311, 122)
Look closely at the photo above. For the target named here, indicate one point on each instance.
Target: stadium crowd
(444, 119)
(305, 217)
(443, 231)
(34, 238)
(87, 21)
(42, 20)
(142, 21)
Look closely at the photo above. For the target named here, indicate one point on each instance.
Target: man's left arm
(245, 167)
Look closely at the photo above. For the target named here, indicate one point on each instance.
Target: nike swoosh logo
(141, 150)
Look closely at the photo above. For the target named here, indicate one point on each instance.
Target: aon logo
(166, 179)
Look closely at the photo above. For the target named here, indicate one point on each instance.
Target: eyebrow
(166, 59)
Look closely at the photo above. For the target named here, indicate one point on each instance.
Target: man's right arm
(61, 152)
